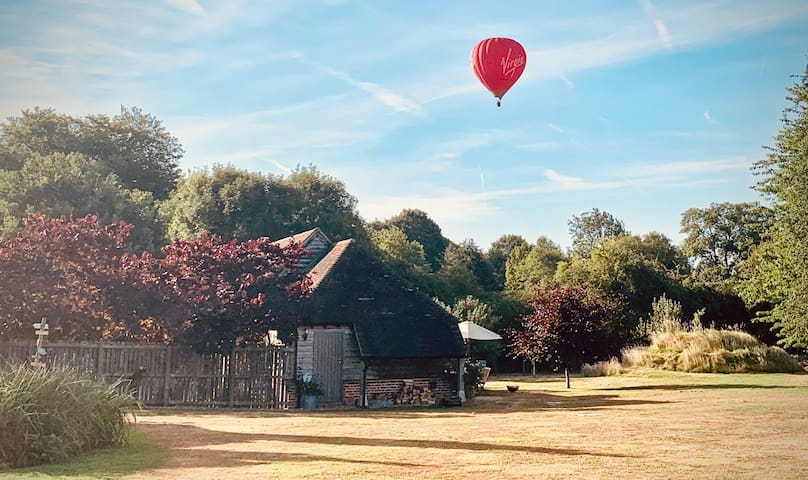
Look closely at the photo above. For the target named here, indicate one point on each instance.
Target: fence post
(167, 377)
(99, 362)
(230, 395)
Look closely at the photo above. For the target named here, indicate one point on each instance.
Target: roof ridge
(302, 237)
(323, 267)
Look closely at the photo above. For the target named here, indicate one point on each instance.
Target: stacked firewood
(411, 394)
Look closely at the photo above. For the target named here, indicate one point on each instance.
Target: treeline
(738, 263)
(126, 168)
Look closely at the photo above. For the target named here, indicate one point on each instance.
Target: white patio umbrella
(472, 331)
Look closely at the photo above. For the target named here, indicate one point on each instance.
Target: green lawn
(141, 453)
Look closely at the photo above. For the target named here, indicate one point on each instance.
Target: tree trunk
(533, 365)
(567, 376)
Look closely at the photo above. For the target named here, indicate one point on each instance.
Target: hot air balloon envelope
(498, 63)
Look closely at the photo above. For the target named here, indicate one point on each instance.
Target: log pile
(411, 394)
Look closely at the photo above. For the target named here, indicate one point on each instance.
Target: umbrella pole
(461, 388)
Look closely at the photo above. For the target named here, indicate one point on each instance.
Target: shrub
(308, 385)
(471, 378)
(50, 416)
(710, 351)
(602, 369)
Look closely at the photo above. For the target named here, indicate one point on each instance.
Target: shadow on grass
(696, 386)
(487, 402)
(189, 444)
(501, 401)
(414, 412)
(220, 458)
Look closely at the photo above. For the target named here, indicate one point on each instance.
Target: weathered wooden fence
(174, 376)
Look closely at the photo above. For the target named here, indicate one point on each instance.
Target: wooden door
(328, 364)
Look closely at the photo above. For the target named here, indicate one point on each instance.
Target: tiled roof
(315, 245)
(390, 319)
(319, 271)
(299, 238)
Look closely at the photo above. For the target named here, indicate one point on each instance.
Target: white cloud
(684, 168)
(555, 128)
(302, 133)
(709, 117)
(283, 168)
(664, 36)
(445, 207)
(387, 97)
(453, 205)
(450, 150)
(661, 28)
(567, 81)
(564, 181)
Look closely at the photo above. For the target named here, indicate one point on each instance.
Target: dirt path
(685, 426)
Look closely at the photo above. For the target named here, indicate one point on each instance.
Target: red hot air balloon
(498, 63)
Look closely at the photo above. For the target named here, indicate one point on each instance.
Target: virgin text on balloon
(510, 65)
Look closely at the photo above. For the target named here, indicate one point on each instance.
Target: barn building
(367, 337)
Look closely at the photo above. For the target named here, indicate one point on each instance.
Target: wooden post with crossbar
(41, 331)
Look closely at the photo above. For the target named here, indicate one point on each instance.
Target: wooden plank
(230, 385)
(99, 363)
(164, 375)
(167, 377)
(328, 363)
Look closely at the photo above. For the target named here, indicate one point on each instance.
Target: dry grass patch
(601, 369)
(641, 424)
(712, 351)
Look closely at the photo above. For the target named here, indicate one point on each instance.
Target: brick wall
(388, 392)
(291, 393)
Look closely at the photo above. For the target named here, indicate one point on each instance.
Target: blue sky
(640, 108)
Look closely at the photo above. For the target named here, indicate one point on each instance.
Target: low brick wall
(390, 392)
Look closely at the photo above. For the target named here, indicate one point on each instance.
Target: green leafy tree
(464, 271)
(625, 267)
(230, 203)
(474, 310)
(457, 275)
(529, 267)
(72, 184)
(398, 250)
(777, 274)
(406, 258)
(321, 200)
(133, 145)
(418, 227)
(590, 228)
(659, 248)
(498, 253)
(722, 236)
(114, 167)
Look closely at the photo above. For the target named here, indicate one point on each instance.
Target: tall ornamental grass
(602, 369)
(50, 416)
(707, 350)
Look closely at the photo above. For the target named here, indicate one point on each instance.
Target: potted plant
(307, 391)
